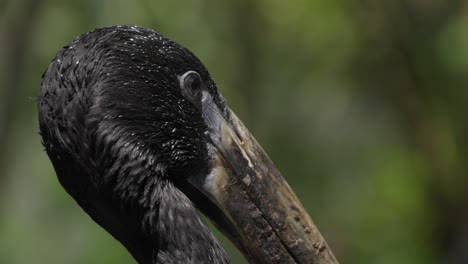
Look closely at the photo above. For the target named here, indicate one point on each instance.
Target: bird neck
(172, 230)
(183, 235)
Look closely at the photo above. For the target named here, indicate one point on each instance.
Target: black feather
(121, 135)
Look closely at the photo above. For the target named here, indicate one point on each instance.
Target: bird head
(141, 138)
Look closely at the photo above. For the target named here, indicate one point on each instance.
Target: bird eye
(191, 84)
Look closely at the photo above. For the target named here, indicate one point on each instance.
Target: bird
(140, 136)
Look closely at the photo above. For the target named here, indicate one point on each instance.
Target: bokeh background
(361, 104)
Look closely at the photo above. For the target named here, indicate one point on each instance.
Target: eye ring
(191, 84)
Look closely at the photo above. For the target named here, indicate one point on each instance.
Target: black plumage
(122, 137)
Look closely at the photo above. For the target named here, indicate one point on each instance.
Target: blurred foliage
(361, 104)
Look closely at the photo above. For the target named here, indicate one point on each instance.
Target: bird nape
(141, 138)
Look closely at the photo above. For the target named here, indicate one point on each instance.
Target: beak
(258, 210)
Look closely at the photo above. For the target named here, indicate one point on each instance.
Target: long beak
(263, 216)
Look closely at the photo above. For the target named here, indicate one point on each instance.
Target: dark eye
(191, 84)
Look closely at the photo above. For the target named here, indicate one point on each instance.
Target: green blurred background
(361, 104)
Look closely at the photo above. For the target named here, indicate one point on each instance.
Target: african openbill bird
(141, 138)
